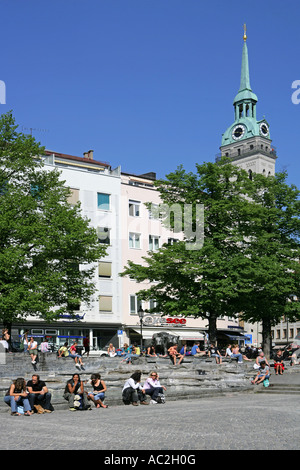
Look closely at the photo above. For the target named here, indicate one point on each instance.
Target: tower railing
(245, 152)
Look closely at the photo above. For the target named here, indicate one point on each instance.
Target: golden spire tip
(245, 35)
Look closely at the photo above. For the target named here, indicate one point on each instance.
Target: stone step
(280, 389)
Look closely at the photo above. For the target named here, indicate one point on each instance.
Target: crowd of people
(33, 396)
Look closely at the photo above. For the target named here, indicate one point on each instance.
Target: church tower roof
(245, 124)
(245, 91)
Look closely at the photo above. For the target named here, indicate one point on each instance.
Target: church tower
(247, 141)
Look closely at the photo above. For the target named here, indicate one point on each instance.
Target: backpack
(161, 398)
(266, 383)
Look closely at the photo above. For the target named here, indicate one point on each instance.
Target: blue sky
(149, 84)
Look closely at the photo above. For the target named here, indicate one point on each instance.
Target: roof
(78, 159)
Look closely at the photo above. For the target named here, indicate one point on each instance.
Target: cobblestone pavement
(232, 422)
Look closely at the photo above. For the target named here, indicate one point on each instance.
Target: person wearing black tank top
(99, 389)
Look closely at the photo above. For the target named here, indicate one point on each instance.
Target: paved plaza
(237, 421)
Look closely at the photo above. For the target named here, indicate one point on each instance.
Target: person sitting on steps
(133, 392)
(99, 389)
(174, 354)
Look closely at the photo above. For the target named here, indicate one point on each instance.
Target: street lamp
(141, 314)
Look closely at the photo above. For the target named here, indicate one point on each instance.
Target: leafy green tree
(248, 265)
(47, 249)
(271, 268)
(193, 279)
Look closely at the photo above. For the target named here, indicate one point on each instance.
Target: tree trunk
(212, 329)
(267, 337)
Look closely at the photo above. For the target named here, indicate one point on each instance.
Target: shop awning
(192, 335)
(235, 337)
(183, 335)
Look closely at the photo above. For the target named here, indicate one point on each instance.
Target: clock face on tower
(264, 129)
(238, 132)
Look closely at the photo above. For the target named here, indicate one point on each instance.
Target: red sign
(181, 321)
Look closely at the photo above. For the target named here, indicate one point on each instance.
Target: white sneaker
(153, 402)
(33, 362)
(78, 366)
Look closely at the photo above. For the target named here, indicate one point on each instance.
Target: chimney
(90, 154)
(85, 155)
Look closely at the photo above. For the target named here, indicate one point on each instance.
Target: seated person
(131, 351)
(111, 350)
(263, 373)
(278, 363)
(74, 393)
(153, 387)
(133, 392)
(77, 357)
(184, 351)
(99, 389)
(18, 396)
(259, 359)
(39, 396)
(174, 354)
(214, 352)
(291, 355)
(151, 351)
(63, 351)
(196, 351)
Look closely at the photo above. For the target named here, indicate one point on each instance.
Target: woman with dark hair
(99, 389)
(75, 395)
(16, 396)
(133, 392)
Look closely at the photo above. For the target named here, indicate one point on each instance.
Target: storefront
(176, 327)
(99, 336)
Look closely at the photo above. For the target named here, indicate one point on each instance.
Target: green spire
(245, 91)
(245, 77)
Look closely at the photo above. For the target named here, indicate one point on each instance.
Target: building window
(154, 212)
(74, 305)
(74, 196)
(134, 240)
(152, 304)
(104, 269)
(284, 333)
(103, 201)
(171, 241)
(103, 234)
(105, 303)
(153, 243)
(134, 208)
(135, 304)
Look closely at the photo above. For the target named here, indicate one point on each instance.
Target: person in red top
(77, 358)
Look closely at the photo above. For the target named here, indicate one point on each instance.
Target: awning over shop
(235, 337)
(192, 335)
(183, 334)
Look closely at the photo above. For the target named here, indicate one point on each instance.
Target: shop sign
(151, 320)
